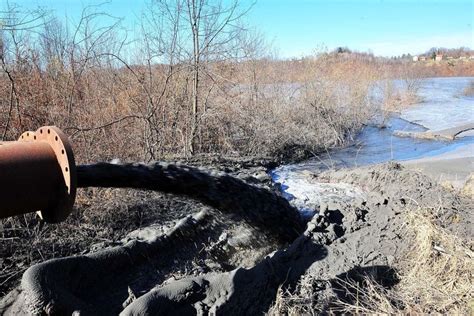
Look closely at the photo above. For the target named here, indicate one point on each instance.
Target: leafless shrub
(324, 110)
(400, 89)
(230, 96)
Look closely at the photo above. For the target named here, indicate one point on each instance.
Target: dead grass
(301, 301)
(101, 218)
(367, 297)
(436, 276)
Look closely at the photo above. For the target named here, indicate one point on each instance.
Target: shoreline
(454, 167)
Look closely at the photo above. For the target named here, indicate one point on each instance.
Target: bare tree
(200, 33)
(16, 25)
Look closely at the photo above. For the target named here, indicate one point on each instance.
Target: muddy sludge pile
(259, 245)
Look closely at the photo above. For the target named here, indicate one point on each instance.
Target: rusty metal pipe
(38, 173)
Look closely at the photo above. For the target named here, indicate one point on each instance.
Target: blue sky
(385, 27)
(299, 27)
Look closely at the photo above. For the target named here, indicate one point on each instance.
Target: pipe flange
(64, 155)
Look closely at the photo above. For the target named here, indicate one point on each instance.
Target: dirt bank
(453, 168)
(213, 261)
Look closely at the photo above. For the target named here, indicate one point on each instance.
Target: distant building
(422, 58)
(415, 58)
(439, 57)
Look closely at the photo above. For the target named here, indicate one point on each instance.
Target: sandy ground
(445, 112)
(453, 167)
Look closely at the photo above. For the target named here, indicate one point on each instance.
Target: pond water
(443, 106)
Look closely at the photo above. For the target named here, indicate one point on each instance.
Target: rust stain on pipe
(38, 173)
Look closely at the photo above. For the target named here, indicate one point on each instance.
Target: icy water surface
(443, 106)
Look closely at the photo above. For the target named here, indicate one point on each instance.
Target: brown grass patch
(436, 276)
(439, 271)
